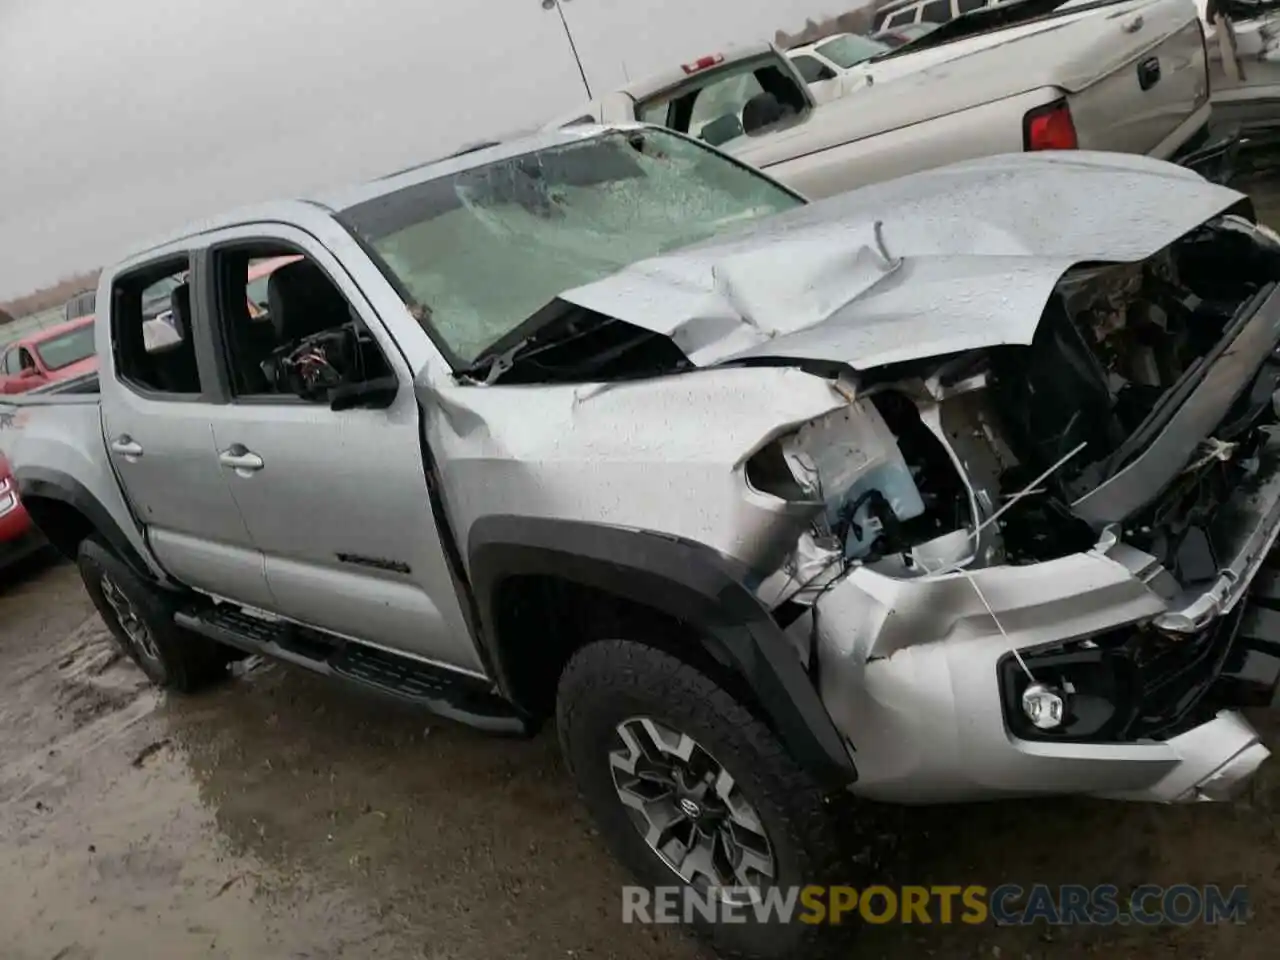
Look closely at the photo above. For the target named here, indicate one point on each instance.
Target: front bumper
(927, 719)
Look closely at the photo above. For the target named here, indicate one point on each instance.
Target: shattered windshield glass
(476, 253)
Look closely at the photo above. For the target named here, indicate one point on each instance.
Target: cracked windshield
(552, 220)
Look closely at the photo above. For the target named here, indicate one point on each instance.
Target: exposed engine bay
(1009, 455)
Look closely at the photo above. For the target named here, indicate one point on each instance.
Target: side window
(9, 365)
(726, 103)
(968, 6)
(902, 17)
(812, 69)
(288, 331)
(936, 11)
(151, 329)
(25, 360)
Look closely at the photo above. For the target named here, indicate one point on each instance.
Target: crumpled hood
(958, 258)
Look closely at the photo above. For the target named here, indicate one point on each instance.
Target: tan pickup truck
(1126, 75)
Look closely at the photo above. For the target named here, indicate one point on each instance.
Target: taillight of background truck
(1049, 128)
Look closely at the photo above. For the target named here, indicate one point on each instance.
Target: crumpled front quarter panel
(661, 455)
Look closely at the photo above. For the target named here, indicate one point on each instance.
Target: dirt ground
(284, 817)
(280, 816)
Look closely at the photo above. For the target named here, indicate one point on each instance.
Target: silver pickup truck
(1130, 76)
(902, 495)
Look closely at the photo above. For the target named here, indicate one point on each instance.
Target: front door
(336, 500)
(155, 413)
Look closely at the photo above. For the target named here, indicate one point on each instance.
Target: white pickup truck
(1128, 76)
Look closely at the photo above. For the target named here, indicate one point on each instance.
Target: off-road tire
(170, 656)
(609, 681)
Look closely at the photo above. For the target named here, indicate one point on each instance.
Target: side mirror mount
(376, 394)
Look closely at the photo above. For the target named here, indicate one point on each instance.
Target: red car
(62, 352)
(18, 535)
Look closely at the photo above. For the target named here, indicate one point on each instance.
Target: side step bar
(447, 693)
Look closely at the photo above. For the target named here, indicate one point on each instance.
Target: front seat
(302, 300)
(174, 356)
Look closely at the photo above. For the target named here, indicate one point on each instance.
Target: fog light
(1044, 706)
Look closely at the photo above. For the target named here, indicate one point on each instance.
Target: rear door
(156, 404)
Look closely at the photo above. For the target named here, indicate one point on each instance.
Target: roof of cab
(676, 75)
(342, 198)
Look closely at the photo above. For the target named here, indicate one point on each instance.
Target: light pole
(573, 47)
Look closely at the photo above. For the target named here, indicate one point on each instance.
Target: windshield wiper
(519, 338)
(579, 345)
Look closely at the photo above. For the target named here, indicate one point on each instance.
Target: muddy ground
(283, 817)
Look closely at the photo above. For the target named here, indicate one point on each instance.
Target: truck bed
(54, 440)
(1091, 54)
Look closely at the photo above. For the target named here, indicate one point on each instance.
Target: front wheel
(140, 619)
(691, 790)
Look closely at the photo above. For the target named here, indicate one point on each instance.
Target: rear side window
(720, 104)
(936, 11)
(151, 331)
(903, 17)
(968, 6)
(812, 69)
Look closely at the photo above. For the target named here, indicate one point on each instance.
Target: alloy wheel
(690, 811)
(140, 638)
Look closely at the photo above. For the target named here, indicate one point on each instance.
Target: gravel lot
(282, 817)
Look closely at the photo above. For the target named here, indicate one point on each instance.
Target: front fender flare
(682, 579)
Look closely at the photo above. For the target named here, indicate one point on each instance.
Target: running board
(447, 693)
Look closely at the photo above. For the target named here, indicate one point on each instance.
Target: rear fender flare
(59, 486)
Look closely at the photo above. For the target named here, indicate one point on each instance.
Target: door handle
(240, 459)
(1149, 73)
(127, 447)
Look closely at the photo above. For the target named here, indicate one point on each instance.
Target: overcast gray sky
(123, 118)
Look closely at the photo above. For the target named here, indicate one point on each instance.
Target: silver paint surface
(954, 259)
